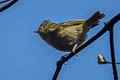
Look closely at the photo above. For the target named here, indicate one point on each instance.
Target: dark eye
(43, 26)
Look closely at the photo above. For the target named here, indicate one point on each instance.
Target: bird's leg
(74, 48)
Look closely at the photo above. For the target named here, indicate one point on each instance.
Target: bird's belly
(66, 41)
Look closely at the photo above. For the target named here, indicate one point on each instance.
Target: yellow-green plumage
(64, 36)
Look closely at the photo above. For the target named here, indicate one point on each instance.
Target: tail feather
(94, 19)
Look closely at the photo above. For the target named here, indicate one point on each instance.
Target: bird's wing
(73, 22)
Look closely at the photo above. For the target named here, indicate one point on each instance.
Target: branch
(102, 60)
(4, 1)
(8, 5)
(110, 25)
(70, 55)
(113, 53)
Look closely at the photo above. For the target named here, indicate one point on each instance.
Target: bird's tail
(94, 19)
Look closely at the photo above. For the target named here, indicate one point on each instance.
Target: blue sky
(25, 56)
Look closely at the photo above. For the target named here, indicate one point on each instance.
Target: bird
(67, 36)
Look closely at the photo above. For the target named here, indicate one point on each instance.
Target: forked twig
(108, 26)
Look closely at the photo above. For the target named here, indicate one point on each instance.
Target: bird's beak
(36, 31)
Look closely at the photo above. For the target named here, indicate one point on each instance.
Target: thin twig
(110, 25)
(4, 1)
(111, 63)
(8, 5)
(59, 66)
(113, 53)
(70, 55)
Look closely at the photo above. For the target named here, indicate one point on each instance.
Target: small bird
(68, 35)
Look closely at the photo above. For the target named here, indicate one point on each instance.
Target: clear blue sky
(25, 56)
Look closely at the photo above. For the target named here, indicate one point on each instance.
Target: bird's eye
(43, 26)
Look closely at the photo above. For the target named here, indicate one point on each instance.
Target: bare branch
(8, 5)
(110, 25)
(65, 58)
(113, 53)
(4, 1)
